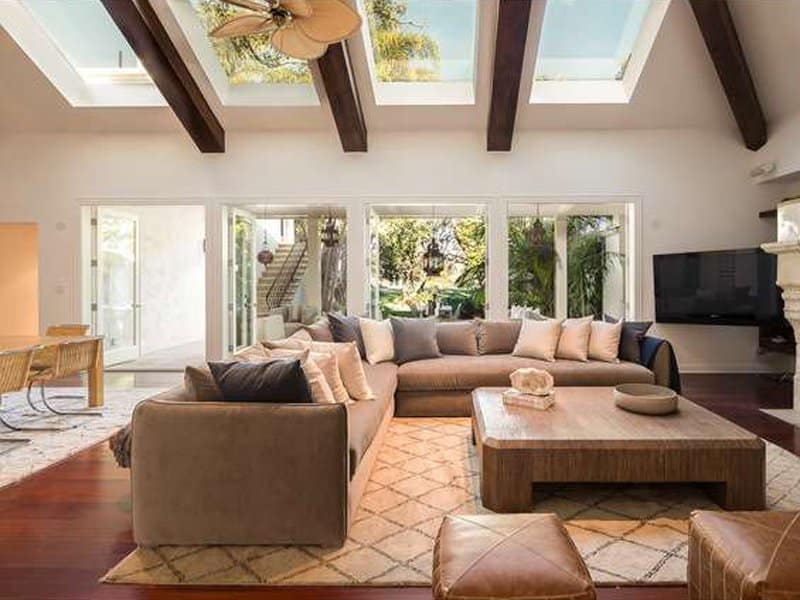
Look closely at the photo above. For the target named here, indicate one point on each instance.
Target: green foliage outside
(401, 49)
(249, 59)
(407, 290)
(532, 270)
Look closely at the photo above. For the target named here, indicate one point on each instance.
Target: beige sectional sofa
(229, 473)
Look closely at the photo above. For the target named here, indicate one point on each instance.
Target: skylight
(593, 50)
(244, 71)
(422, 51)
(85, 33)
(76, 44)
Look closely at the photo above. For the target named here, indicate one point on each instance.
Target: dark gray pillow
(346, 328)
(414, 339)
(279, 381)
(630, 342)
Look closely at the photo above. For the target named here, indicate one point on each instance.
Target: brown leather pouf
(527, 556)
(744, 555)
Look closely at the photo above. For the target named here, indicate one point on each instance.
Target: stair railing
(276, 295)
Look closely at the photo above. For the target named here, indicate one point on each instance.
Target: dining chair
(71, 358)
(45, 357)
(14, 370)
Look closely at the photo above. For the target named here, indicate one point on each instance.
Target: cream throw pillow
(538, 339)
(348, 358)
(327, 363)
(378, 340)
(574, 341)
(604, 341)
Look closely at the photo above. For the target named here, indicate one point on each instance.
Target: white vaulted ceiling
(678, 86)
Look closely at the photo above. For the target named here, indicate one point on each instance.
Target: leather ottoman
(527, 556)
(744, 555)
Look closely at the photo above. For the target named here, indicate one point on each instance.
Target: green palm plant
(401, 49)
(531, 272)
(588, 264)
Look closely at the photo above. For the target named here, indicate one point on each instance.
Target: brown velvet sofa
(229, 473)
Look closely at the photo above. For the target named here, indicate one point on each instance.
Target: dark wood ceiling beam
(140, 25)
(340, 88)
(719, 33)
(509, 56)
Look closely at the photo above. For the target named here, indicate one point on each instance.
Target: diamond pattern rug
(426, 469)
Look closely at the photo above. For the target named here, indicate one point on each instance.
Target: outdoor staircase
(279, 283)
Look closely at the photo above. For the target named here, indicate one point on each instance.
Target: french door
(116, 307)
(242, 279)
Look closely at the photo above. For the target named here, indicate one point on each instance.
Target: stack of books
(516, 398)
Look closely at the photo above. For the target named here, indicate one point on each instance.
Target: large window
(428, 261)
(569, 260)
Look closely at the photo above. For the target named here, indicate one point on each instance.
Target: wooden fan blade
(243, 25)
(248, 4)
(293, 42)
(299, 8)
(331, 21)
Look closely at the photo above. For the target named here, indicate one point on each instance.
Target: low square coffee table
(584, 437)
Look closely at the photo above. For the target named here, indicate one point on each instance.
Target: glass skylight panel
(422, 51)
(84, 32)
(588, 40)
(251, 59)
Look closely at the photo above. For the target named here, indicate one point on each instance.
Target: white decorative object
(532, 388)
(514, 397)
(789, 221)
(532, 381)
(646, 399)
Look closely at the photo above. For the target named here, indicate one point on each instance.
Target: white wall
(172, 272)
(693, 186)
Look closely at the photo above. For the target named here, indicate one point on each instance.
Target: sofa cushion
(458, 337)
(497, 337)
(320, 331)
(281, 380)
(470, 372)
(364, 418)
(414, 339)
(346, 328)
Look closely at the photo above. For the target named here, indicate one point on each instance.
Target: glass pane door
(118, 285)
(243, 279)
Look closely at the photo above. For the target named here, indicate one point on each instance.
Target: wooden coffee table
(584, 437)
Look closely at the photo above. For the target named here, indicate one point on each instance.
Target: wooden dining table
(26, 342)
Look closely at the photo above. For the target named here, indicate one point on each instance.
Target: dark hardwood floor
(62, 528)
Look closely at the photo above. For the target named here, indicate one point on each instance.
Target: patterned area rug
(47, 447)
(427, 469)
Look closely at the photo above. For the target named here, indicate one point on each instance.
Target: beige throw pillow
(348, 358)
(327, 363)
(320, 390)
(378, 340)
(574, 341)
(604, 341)
(538, 339)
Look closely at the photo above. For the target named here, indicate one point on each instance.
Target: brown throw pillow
(458, 337)
(320, 331)
(414, 339)
(200, 385)
(497, 337)
(346, 328)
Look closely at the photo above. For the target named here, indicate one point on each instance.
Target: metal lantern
(330, 233)
(536, 236)
(433, 259)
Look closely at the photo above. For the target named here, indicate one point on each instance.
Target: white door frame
(112, 356)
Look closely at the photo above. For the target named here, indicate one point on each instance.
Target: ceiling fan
(298, 28)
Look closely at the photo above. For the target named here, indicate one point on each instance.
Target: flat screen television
(728, 287)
